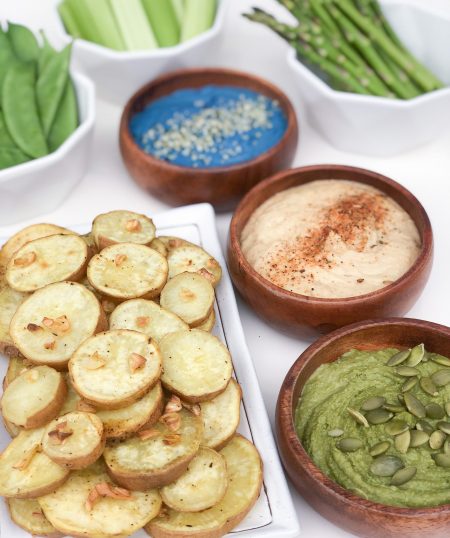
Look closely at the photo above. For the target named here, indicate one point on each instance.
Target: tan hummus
(331, 238)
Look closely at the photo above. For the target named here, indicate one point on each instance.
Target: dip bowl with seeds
(366, 452)
(316, 248)
(187, 152)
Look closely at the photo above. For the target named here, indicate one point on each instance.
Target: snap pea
(66, 120)
(24, 42)
(50, 87)
(20, 110)
(46, 53)
(7, 56)
(11, 157)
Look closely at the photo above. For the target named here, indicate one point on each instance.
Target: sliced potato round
(28, 515)
(47, 260)
(75, 440)
(156, 456)
(34, 398)
(25, 471)
(189, 296)
(90, 242)
(202, 485)
(208, 324)
(121, 423)
(50, 325)
(194, 259)
(245, 477)
(159, 246)
(16, 366)
(72, 398)
(11, 428)
(171, 242)
(221, 416)
(146, 317)
(122, 227)
(10, 300)
(196, 365)
(127, 271)
(115, 368)
(90, 505)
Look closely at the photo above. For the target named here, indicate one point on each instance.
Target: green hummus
(348, 382)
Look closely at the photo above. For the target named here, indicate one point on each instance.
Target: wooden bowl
(352, 513)
(220, 186)
(305, 316)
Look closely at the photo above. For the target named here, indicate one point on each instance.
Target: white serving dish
(375, 125)
(273, 515)
(41, 185)
(118, 74)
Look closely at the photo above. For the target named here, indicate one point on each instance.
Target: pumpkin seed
(359, 417)
(443, 460)
(401, 398)
(386, 465)
(336, 432)
(378, 416)
(396, 427)
(402, 441)
(441, 378)
(444, 426)
(414, 406)
(434, 411)
(379, 448)
(409, 384)
(403, 475)
(373, 403)
(443, 361)
(394, 408)
(447, 408)
(427, 385)
(447, 446)
(349, 444)
(437, 440)
(416, 355)
(398, 358)
(407, 371)
(424, 426)
(418, 438)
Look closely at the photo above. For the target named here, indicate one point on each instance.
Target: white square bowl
(41, 185)
(118, 74)
(376, 125)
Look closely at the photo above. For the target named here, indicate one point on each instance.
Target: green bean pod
(24, 42)
(66, 120)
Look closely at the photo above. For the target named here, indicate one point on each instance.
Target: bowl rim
(161, 52)
(85, 87)
(285, 426)
(292, 125)
(416, 268)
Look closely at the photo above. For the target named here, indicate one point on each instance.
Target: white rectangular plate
(273, 514)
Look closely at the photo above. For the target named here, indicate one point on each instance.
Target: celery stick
(69, 20)
(96, 22)
(133, 24)
(178, 6)
(163, 20)
(198, 17)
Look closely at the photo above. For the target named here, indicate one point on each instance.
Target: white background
(425, 171)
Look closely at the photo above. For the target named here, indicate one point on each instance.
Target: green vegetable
(20, 109)
(178, 6)
(7, 56)
(163, 20)
(46, 53)
(69, 20)
(50, 87)
(198, 17)
(23, 41)
(133, 24)
(11, 157)
(66, 120)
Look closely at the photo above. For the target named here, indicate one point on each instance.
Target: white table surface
(425, 171)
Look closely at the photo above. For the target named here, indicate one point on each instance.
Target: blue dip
(209, 127)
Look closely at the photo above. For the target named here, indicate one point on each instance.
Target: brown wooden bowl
(355, 514)
(220, 186)
(305, 316)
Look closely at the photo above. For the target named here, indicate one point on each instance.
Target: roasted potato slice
(157, 456)
(208, 324)
(245, 478)
(194, 259)
(128, 271)
(90, 505)
(196, 365)
(10, 300)
(34, 398)
(25, 471)
(90, 242)
(122, 227)
(28, 515)
(171, 242)
(121, 423)
(189, 296)
(50, 325)
(146, 317)
(159, 246)
(47, 260)
(221, 416)
(115, 368)
(75, 440)
(16, 366)
(11, 428)
(202, 485)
